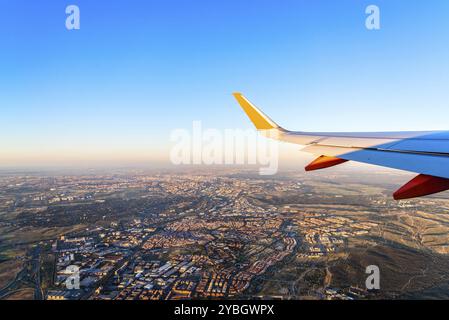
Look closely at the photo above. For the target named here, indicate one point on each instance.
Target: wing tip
(257, 117)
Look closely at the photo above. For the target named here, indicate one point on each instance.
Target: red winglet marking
(421, 185)
(324, 162)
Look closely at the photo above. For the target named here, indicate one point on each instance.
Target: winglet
(257, 117)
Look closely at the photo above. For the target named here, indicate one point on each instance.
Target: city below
(218, 234)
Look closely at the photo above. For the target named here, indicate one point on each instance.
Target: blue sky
(138, 69)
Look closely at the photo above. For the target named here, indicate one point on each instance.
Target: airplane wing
(425, 152)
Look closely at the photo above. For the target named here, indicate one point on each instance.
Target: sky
(114, 90)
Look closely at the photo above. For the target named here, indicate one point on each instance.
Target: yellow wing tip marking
(261, 121)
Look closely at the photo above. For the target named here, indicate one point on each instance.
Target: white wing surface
(425, 152)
